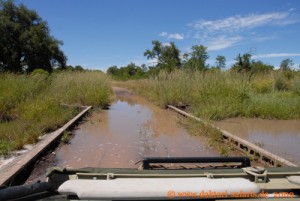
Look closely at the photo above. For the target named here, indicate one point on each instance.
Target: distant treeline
(26, 45)
(131, 71)
(168, 58)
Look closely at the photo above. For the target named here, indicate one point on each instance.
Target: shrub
(280, 83)
(40, 71)
(296, 85)
(263, 85)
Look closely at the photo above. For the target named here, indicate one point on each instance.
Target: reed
(31, 105)
(216, 95)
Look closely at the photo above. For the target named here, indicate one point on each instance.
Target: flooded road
(281, 137)
(130, 130)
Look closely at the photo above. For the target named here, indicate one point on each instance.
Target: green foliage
(131, 71)
(220, 62)
(286, 64)
(289, 74)
(260, 67)
(243, 63)
(167, 56)
(113, 70)
(196, 60)
(281, 83)
(66, 136)
(78, 68)
(70, 68)
(263, 85)
(296, 85)
(199, 52)
(31, 105)
(40, 71)
(25, 42)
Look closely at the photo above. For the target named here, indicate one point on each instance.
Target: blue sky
(98, 34)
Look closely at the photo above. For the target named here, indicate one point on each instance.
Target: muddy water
(130, 130)
(281, 137)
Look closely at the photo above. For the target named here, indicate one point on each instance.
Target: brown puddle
(281, 137)
(130, 130)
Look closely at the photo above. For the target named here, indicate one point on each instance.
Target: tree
(243, 63)
(25, 42)
(196, 60)
(167, 56)
(113, 70)
(220, 61)
(131, 71)
(260, 67)
(144, 68)
(286, 64)
(78, 68)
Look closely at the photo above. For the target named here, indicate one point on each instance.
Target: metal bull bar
(245, 161)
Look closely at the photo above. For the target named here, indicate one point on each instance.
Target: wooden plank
(11, 170)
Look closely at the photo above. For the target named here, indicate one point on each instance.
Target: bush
(280, 83)
(40, 71)
(296, 86)
(263, 85)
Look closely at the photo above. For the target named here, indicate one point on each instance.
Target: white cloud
(166, 44)
(163, 34)
(152, 62)
(176, 36)
(222, 42)
(272, 55)
(234, 30)
(139, 61)
(264, 38)
(292, 9)
(226, 32)
(238, 22)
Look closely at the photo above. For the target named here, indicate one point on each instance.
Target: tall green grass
(17, 88)
(217, 95)
(31, 105)
(83, 88)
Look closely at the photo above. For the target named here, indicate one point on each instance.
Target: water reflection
(281, 137)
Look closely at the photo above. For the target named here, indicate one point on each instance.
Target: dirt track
(131, 129)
